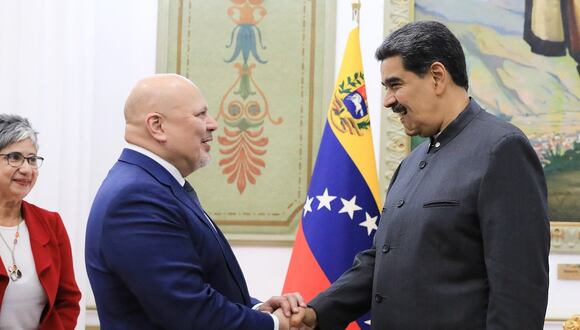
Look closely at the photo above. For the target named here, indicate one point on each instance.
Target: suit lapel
(234, 267)
(183, 197)
(226, 250)
(164, 177)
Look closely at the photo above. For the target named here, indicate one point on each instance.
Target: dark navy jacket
(155, 262)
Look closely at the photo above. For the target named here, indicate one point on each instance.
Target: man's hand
(289, 303)
(304, 319)
(284, 322)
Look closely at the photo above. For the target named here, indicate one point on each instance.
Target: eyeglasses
(16, 159)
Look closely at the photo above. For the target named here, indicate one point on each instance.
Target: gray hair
(14, 128)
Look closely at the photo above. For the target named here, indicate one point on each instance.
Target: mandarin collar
(439, 141)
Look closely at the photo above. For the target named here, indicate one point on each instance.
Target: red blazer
(53, 259)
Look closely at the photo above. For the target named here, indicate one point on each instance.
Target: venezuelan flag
(341, 211)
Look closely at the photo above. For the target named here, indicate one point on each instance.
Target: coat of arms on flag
(349, 107)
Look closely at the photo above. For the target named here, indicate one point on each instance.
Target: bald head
(155, 93)
(159, 94)
(167, 115)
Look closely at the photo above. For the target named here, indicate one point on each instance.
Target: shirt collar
(165, 164)
(437, 142)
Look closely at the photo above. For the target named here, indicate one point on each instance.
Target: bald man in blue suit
(154, 258)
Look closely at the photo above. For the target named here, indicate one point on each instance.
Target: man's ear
(440, 77)
(154, 124)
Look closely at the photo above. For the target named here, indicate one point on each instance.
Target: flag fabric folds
(341, 211)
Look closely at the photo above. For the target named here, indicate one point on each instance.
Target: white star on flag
(369, 223)
(307, 205)
(349, 206)
(325, 200)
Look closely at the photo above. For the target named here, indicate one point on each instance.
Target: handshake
(291, 311)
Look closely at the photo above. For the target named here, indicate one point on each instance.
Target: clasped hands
(291, 311)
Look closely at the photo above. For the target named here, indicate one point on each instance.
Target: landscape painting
(522, 59)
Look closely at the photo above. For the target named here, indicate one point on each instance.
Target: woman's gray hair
(14, 128)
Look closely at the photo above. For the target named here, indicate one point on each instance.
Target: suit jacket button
(378, 298)
(422, 164)
(386, 248)
(400, 202)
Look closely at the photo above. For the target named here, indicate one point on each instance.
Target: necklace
(13, 271)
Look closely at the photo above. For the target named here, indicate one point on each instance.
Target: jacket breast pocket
(442, 203)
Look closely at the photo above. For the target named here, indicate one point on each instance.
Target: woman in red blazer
(37, 284)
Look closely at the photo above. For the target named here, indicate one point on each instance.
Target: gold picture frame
(266, 70)
(395, 145)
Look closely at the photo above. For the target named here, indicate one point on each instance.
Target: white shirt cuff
(276, 322)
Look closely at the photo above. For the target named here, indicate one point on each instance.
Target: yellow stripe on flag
(354, 133)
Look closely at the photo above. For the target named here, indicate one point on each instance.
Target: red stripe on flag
(304, 273)
(353, 326)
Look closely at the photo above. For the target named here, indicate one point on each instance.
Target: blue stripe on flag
(334, 237)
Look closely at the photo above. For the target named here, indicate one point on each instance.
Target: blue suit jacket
(155, 262)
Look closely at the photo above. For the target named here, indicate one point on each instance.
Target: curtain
(68, 65)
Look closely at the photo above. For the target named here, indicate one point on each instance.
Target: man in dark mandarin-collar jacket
(463, 240)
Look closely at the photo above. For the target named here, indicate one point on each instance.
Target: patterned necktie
(192, 194)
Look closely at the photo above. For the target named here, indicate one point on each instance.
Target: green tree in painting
(558, 161)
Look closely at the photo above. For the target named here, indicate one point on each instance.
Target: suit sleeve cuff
(274, 318)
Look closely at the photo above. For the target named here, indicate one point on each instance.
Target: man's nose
(211, 123)
(389, 100)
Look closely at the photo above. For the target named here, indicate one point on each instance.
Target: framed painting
(523, 63)
(261, 66)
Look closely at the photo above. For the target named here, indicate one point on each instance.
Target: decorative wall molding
(243, 189)
(565, 237)
(394, 143)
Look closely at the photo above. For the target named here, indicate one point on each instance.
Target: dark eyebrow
(391, 81)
